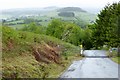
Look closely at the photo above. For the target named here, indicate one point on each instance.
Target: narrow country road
(94, 65)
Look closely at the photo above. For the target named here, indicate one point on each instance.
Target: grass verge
(114, 56)
(116, 59)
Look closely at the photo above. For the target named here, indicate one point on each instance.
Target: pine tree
(107, 26)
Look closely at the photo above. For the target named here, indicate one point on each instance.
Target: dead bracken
(46, 53)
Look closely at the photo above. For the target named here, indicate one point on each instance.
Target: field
(45, 17)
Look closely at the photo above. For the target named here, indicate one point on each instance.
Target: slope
(29, 55)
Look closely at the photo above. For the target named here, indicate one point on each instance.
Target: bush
(65, 31)
(33, 27)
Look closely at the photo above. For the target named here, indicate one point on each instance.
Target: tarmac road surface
(94, 65)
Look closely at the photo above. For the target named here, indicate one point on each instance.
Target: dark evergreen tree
(107, 28)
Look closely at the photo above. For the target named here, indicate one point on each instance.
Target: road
(94, 65)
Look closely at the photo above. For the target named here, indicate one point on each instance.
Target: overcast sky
(8, 4)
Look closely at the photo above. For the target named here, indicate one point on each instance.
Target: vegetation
(41, 53)
(116, 59)
(33, 27)
(69, 9)
(26, 54)
(70, 32)
(42, 17)
(35, 50)
(66, 14)
(114, 56)
(106, 29)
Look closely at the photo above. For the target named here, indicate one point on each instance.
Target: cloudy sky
(8, 4)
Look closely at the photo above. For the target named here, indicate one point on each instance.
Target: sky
(9, 4)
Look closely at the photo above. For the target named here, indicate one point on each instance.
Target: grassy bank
(113, 56)
(116, 59)
(30, 55)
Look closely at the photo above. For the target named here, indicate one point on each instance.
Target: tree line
(66, 31)
(105, 30)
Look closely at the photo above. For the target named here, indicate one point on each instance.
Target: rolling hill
(72, 14)
(73, 9)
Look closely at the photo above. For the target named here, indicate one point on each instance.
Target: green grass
(18, 26)
(26, 66)
(47, 16)
(113, 56)
(19, 62)
(116, 59)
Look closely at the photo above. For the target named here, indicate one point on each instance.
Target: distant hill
(66, 14)
(73, 9)
(44, 15)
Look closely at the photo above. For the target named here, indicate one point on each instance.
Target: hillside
(71, 9)
(26, 54)
(18, 17)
